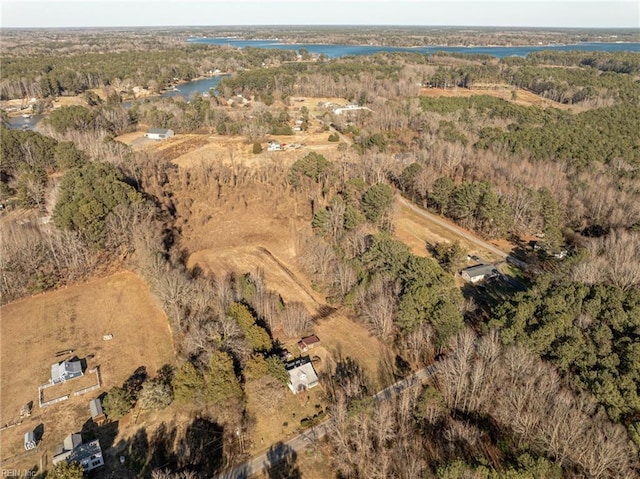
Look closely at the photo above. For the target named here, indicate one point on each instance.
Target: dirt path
(452, 228)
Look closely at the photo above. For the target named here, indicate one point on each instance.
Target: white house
(159, 134)
(349, 108)
(274, 146)
(65, 370)
(479, 272)
(302, 376)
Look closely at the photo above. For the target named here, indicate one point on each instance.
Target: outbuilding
(309, 342)
(97, 414)
(159, 134)
(29, 440)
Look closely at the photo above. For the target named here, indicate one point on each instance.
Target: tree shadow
(281, 462)
(199, 450)
(134, 383)
(38, 432)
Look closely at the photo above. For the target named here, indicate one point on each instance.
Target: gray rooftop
(480, 270)
(302, 377)
(85, 451)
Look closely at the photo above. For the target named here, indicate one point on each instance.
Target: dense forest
(535, 381)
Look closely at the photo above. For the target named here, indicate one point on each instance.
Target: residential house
(65, 370)
(302, 376)
(479, 272)
(159, 134)
(89, 454)
(275, 146)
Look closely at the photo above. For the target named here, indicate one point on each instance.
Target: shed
(308, 342)
(29, 440)
(65, 370)
(479, 272)
(97, 414)
(159, 134)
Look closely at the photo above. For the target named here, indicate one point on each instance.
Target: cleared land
(417, 231)
(34, 329)
(522, 97)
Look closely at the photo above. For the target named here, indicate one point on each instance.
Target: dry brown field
(417, 232)
(523, 97)
(34, 329)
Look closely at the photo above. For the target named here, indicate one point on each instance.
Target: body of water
(336, 51)
(188, 89)
(22, 123)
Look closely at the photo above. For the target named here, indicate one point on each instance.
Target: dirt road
(454, 229)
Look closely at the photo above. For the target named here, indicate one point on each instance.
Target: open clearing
(34, 329)
(342, 337)
(417, 232)
(523, 97)
(251, 259)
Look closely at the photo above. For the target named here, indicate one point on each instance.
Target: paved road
(301, 441)
(454, 229)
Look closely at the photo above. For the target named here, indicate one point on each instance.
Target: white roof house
(65, 370)
(159, 134)
(302, 376)
(479, 272)
(274, 146)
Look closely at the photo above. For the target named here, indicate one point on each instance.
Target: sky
(504, 13)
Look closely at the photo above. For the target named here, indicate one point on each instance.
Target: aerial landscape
(320, 240)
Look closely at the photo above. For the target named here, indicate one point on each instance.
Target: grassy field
(417, 232)
(34, 329)
(504, 91)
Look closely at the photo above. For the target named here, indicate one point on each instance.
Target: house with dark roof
(309, 342)
(89, 454)
(65, 370)
(159, 134)
(302, 376)
(479, 272)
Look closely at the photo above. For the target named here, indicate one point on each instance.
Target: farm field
(34, 329)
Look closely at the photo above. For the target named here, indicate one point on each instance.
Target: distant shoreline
(493, 45)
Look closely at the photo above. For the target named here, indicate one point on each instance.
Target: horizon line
(514, 27)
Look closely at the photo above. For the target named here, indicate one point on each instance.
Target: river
(336, 51)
